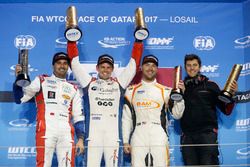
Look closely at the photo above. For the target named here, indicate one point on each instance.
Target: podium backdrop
(218, 32)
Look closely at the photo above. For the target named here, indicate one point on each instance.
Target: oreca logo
(204, 42)
(25, 42)
(21, 123)
(244, 151)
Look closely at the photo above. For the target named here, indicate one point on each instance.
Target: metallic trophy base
(225, 97)
(73, 34)
(22, 80)
(141, 33)
(176, 96)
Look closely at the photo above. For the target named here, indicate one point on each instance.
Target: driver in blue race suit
(102, 100)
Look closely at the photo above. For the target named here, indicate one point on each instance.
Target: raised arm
(129, 72)
(79, 71)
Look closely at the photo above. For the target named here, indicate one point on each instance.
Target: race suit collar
(58, 79)
(149, 83)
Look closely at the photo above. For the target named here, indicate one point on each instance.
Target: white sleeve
(178, 107)
(127, 123)
(80, 72)
(31, 90)
(77, 108)
(128, 74)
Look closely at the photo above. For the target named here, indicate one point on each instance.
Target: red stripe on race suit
(40, 128)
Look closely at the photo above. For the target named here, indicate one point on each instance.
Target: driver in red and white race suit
(144, 115)
(102, 97)
(57, 102)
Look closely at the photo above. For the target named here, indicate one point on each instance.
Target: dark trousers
(200, 155)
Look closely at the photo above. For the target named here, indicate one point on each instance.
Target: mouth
(62, 70)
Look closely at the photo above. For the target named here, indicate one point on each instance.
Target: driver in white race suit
(144, 115)
(58, 103)
(102, 97)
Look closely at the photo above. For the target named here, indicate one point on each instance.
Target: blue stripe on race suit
(87, 121)
(120, 153)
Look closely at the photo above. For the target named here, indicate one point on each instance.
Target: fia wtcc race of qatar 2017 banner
(218, 32)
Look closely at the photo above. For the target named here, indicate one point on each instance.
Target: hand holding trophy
(72, 32)
(141, 32)
(22, 78)
(176, 94)
(227, 93)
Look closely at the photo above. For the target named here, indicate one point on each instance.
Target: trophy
(227, 94)
(141, 32)
(22, 78)
(176, 94)
(72, 32)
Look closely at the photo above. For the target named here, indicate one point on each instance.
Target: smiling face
(60, 68)
(149, 71)
(104, 70)
(192, 67)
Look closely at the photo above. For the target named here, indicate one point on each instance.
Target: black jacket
(201, 100)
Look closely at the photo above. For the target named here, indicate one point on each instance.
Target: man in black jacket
(199, 122)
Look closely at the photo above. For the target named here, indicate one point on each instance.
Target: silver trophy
(23, 78)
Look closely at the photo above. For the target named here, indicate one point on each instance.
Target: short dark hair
(192, 57)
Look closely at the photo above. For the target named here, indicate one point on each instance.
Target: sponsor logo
(245, 69)
(243, 153)
(242, 97)
(204, 43)
(66, 89)
(21, 123)
(104, 101)
(210, 70)
(30, 69)
(149, 104)
(51, 82)
(141, 91)
(243, 42)
(51, 95)
(67, 97)
(21, 152)
(243, 124)
(159, 43)
(25, 42)
(96, 118)
(61, 42)
(113, 42)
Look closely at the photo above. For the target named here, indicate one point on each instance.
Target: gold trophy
(141, 32)
(23, 78)
(227, 94)
(176, 94)
(72, 32)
